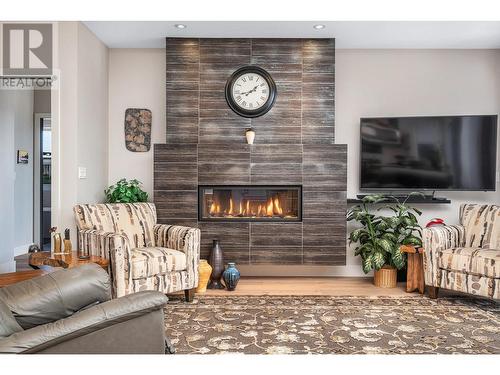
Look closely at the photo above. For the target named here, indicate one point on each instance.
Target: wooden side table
(415, 271)
(45, 258)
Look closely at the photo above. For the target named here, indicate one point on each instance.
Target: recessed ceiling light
(180, 26)
(319, 27)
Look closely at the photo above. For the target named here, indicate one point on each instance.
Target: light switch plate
(82, 172)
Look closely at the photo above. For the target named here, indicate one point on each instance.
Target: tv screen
(428, 153)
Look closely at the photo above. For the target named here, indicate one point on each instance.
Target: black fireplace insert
(263, 203)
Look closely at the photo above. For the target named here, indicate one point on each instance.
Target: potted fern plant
(380, 237)
(126, 192)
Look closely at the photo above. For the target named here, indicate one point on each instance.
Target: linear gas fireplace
(250, 203)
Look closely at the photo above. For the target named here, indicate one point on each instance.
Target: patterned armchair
(143, 255)
(465, 257)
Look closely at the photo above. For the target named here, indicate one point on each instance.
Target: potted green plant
(380, 237)
(126, 192)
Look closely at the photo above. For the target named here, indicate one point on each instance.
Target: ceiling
(348, 34)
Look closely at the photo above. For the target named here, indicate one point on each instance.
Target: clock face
(250, 91)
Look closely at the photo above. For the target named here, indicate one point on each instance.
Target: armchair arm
(436, 239)
(84, 322)
(185, 239)
(116, 248)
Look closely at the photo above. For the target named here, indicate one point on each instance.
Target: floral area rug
(333, 325)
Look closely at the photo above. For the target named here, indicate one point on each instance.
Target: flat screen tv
(429, 153)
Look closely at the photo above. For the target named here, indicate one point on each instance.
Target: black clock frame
(246, 112)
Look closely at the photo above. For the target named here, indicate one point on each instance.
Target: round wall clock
(250, 91)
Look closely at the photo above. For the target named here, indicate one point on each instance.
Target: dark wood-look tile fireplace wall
(206, 145)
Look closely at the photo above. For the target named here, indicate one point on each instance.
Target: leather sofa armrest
(84, 322)
(55, 296)
(434, 240)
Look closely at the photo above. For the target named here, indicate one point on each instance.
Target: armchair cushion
(471, 260)
(151, 261)
(482, 225)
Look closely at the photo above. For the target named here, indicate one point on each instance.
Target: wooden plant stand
(415, 272)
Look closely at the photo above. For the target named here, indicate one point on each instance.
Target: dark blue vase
(231, 276)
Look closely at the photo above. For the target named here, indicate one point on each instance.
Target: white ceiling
(348, 34)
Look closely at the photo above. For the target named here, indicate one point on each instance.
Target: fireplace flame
(274, 206)
(269, 207)
(277, 207)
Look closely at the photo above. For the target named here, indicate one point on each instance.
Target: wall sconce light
(250, 134)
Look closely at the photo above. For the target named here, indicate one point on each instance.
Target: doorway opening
(43, 179)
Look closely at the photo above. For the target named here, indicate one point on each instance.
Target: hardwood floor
(321, 286)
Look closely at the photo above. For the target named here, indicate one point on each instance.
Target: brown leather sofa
(71, 311)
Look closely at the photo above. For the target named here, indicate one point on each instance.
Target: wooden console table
(44, 258)
(415, 272)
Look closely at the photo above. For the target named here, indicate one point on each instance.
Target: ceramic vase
(216, 260)
(204, 271)
(231, 276)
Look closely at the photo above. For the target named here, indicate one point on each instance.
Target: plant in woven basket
(380, 237)
(126, 192)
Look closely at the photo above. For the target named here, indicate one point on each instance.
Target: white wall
(79, 121)
(23, 186)
(80, 138)
(368, 83)
(92, 117)
(414, 82)
(7, 165)
(64, 125)
(136, 80)
(16, 207)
